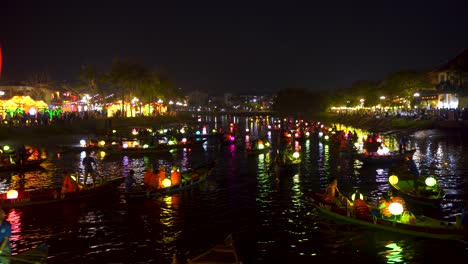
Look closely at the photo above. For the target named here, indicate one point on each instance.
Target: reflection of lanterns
(296, 155)
(166, 183)
(358, 194)
(393, 179)
(430, 181)
(12, 194)
(395, 208)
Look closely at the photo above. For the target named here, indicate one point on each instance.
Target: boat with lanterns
(385, 157)
(258, 146)
(188, 180)
(26, 197)
(426, 193)
(288, 159)
(423, 226)
(12, 160)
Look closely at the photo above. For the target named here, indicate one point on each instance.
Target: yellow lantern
(393, 179)
(102, 143)
(166, 183)
(12, 194)
(296, 155)
(430, 181)
(358, 194)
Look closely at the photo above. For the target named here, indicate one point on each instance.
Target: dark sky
(222, 46)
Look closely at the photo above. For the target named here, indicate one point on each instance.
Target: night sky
(233, 46)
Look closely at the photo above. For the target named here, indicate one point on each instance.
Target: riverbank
(88, 127)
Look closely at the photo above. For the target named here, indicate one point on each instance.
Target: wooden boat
(224, 253)
(157, 149)
(189, 179)
(27, 165)
(423, 227)
(425, 196)
(35, 255)
(391, 157)
(54, 195)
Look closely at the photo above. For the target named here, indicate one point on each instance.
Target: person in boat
(22, 154)
(5, 233)
(69, 184)
(332, 194)
(175, 176)
(130, 181)
(360, 207)
(403, 145)
(149, 176)
(88, 163)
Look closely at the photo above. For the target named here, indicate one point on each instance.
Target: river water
(262, 207)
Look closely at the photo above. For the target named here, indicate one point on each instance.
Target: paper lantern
(393, 179)
(395, 208)
(12, 194)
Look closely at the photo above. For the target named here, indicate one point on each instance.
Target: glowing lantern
(320, 134)
(12, 194)
(358, 194)
(393, 179)
(83, 143)
(326, 137)
(73, 177)
(197, 132)
(134, 132)
(166, 182)
(430, 181)
(296, 155)
(395, 208)
(6, 148)
(307, 133)
(114, 131)
(145, 146)
(184, 140)
(125, 145)
(102, 143)
(261, 146)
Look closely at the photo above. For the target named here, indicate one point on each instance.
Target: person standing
(5, 233)
(130, 181)
(88, 162)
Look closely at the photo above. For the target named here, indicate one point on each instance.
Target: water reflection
(244, 196)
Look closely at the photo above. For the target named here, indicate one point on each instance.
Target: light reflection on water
(245, 195)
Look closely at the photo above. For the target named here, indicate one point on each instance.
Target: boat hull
(54, 195)
(424, 226)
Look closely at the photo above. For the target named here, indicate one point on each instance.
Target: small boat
(18, 198)
(388, 158)
(224, 253)
(258, 146)
(27, 165)
(288, 160)
(189, 179)
(35, 255)
(423, 227)
(425, 195)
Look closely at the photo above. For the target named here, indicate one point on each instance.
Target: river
(263, 208)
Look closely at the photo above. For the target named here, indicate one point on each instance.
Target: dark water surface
(263, 207)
